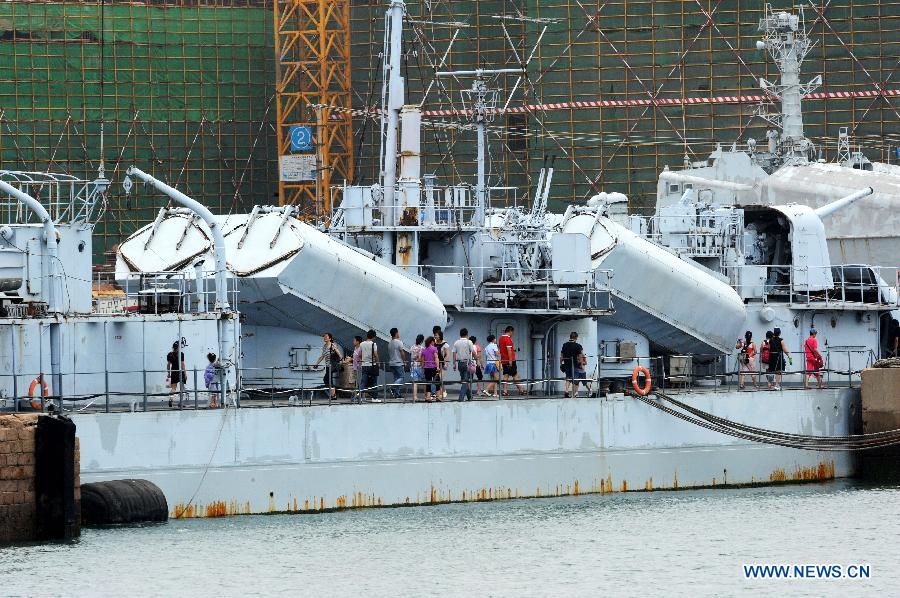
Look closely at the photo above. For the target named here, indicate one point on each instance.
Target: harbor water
(673, 543)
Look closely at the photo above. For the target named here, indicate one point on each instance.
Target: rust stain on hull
(824, 470)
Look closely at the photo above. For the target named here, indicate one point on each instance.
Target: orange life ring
(36, 403)
(634, 380)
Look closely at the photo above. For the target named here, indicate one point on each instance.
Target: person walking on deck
(397, 353)
(369, 360)
(814, 361)
(764, 355)
(416, 372)
(176, 370)
(492, 367)
(209, 379)
(778, 351)
(429, 363)
(463, 357)
(569, 361)
(479, 365)
(332, 356)
(508, 360)
(746, 359)
(443, 349)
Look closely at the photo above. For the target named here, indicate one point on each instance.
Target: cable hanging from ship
(714, 423)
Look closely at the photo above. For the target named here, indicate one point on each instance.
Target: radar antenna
(785, 38)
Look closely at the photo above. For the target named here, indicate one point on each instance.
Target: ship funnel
(843, 202)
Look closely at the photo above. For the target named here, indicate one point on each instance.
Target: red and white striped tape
(819, 95)
(822, 95)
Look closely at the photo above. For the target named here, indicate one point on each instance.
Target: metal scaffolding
(620, 89)
(312, 82)
(183, 88)
(188, 90)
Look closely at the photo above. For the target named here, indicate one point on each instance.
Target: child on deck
(212, 383)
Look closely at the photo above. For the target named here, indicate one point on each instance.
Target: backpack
(764, 354)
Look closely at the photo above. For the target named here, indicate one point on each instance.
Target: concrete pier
(39, 478)
(880, 413)
(881, 399)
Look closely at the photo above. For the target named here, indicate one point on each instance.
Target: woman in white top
(492, 367)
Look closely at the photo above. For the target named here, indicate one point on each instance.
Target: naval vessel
(671, 294)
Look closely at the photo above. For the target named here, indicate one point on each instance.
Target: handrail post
(196, 389)
(849, 374)
(12, 353)
(272, 386)
(144, 375)
(222, 390)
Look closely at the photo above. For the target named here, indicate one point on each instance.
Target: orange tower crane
(313, 101)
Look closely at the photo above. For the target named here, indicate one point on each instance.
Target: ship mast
(785, 38)
(392, 98)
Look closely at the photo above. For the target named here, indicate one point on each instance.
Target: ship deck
(266, 399)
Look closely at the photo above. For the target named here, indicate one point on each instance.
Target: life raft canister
(645, 390)
(36, 401)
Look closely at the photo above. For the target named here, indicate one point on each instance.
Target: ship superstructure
(68, 344)
(787, 167)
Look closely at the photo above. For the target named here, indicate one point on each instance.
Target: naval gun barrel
(843, 202)
(210, 220)
(54, 293)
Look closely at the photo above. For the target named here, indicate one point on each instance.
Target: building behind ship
(188, 86)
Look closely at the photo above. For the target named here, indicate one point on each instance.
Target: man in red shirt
(508, 361)
(814, 361)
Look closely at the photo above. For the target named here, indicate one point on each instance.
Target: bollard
(272, 387)
(106, 387)
(196, 389)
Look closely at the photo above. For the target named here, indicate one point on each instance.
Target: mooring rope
(709, 421)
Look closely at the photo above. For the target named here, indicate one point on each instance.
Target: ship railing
(68, 199)
(155, 293)
(514, 287)
(112, 390)
(822, 286)
(719, 372)
(705, 236)
(449, 208)
(306, 384)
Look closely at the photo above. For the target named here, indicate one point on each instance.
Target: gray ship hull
(259, 460)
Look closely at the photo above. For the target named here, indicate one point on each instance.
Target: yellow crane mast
(313, 101)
